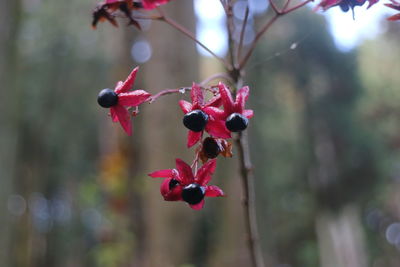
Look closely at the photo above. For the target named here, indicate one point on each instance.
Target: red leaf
(185, 172)
(214, 191)
(198, 206)
(128, 83)
(248, 113)
(185, 106)
(162, 174)
(193, 138)
(151, 4)
(173, 194)
(133, 98)
(241, 98)
(217, 128)
(123, 118)
(205, 173)
(216, 113)
(197, 97)
(394, 17)
(226, 97)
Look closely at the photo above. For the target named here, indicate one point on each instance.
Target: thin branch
(256, 39)
(224, 76)
(243, 30)
(229, 22)
(286, 4)
(189, 34)
(274, 7)
(181, 90)
(286, 11)
(247, 178)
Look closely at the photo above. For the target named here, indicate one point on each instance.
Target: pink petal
(185, 106)
(248, 113)
(371, 3)
(193, 138)
(226, 97)
(214, 191)
(205, 173)
(151, 4)
(114, 116)
(123, 118)
(216, 113)
(198, 206)
(197, 96)
(127, 85)
(173, 194)
(216, 101)
(394, 17)
(241, 98)
(217, 128)
(185, 172)
(162, 173)
(133, 98)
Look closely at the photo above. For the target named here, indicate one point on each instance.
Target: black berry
(107, 98)
(195, 120)
(236, 122)
(211, 148)
(193, 194)
(173, 183)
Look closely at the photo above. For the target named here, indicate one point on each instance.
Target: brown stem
(181, 90)
(246, 16)
(256, 39)
(189, 34)
(285, 11)
(247, 177)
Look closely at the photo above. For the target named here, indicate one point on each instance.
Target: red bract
(151, 4)
(121, 98)
(215, 127)
(231, 106)
(105, 11)
(345, 5)
(181, 184)
(394, 5)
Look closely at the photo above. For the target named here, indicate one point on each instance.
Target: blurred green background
(74, 189)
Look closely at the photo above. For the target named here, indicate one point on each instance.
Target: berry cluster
(219, 117)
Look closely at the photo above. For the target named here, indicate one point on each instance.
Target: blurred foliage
(325, 136)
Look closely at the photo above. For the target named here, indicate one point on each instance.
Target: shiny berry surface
(107, 98)
(236, 122)
(193, 194)
(173, 183)
(195, 120)
(211, 148)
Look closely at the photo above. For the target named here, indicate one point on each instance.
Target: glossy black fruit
(211, 148)
(193, 194)
(107, 98)
(236, 122)
(195, 120)
(172, 183)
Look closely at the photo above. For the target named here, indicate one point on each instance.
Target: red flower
(345, 5)
(394, 5)
(151, 4)
(234, 114)
(105, 10)
(121, 98)
(181, 185)
(197, 120)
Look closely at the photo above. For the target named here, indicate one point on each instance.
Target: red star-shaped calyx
(181, 184)
(197, 120)
(120, 98)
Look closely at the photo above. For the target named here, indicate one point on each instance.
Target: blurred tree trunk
(10, 12)
(173, 64)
